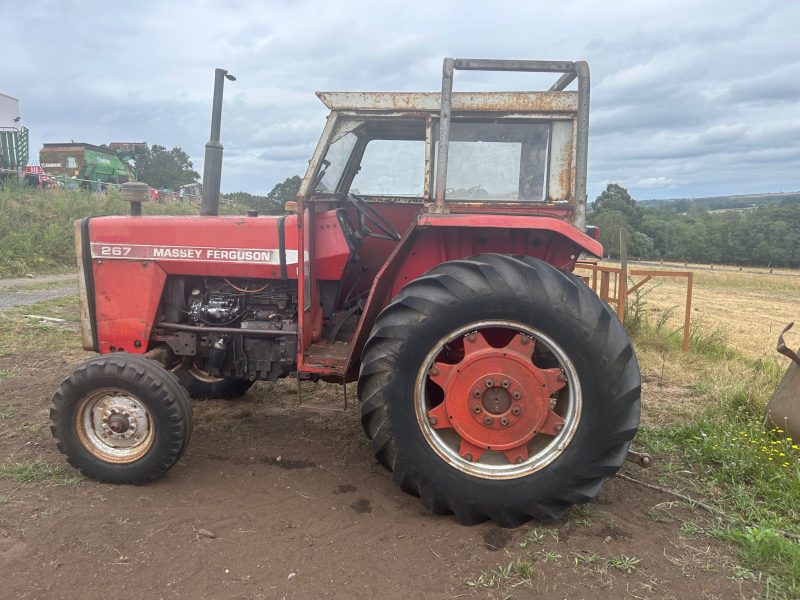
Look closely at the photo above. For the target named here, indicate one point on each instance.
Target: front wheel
(121, 418)
(499, 388)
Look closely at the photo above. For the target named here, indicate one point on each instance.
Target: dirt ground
(276, 501)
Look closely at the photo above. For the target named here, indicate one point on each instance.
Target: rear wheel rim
(115, 426)
(494, 408)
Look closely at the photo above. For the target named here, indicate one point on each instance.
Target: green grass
(747, 472)
(19, 333)
(37, 471)
(36, 226)
(5, 373)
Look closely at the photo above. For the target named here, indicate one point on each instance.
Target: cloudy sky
(689, 98)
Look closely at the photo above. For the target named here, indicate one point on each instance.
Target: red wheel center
(496, 398)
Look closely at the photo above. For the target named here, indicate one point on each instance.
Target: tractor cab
(379, 167)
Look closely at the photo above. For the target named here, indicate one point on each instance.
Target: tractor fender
(437, 238)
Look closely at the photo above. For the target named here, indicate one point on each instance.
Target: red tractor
(429, 259)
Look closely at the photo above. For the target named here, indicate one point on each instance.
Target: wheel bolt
(433, 421)
(504, 421)
(477, 393)
(520, 460)
(552, 402)
(488, 420)
(524, 340)
(505, 383)
(559, 426)
(468, 456)
(515, 411)
(489, 383)
(560, 378)
(516, 395)
(471, 338)
(476, 409)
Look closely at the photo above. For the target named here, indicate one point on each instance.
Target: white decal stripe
(256, 256)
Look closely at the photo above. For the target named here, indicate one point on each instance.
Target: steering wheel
(366, 212)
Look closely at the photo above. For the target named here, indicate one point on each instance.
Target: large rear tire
(121, 418)
(499, 388)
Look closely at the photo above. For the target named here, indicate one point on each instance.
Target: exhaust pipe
(212, 166)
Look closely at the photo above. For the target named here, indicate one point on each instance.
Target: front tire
(499, 388)
(121, 418)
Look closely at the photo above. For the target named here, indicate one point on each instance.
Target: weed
(548, 555)
(37, 471)
(533, 537)
(690, 529)
(518, 572)
(585, 560)
(626, 564)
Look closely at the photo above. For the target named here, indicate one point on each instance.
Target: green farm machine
(92, 167)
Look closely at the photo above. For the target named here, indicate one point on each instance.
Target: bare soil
(276, 501)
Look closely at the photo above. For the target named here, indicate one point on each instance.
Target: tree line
(766, 235)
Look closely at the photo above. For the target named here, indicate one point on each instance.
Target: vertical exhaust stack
(212, 166)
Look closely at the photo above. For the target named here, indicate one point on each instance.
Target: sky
(689, 98)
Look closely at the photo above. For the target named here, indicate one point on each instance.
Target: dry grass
(747, 309)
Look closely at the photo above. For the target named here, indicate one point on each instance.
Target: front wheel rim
(115, 426)
(492, 411)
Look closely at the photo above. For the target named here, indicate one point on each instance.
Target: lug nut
(560, 378)
(559, 426)
(476, 409)
(488, 420)
(505, 383)
(515, 411)
(520, 459)
(524, 340)
(489, 383)
(504, 421)
(433, 420)
(468, 456)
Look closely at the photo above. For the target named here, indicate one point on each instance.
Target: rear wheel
(121, 418)
(203, 386)
(499, 388)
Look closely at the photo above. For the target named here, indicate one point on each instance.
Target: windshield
(337, 156)
(391, 168)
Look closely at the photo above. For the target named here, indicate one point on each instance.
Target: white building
(9, 112)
